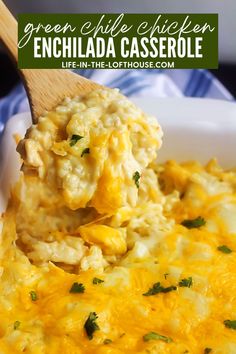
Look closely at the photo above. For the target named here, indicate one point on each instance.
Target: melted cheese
(129, 244)
(118, 137)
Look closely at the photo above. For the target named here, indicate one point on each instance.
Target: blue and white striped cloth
(151, 83)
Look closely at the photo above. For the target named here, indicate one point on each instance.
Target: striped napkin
(150, 83)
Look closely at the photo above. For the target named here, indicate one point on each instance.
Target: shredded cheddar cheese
(111, 252)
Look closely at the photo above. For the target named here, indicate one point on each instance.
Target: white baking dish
(193, 129)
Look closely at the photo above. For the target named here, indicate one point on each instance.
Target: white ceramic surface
(193, 129)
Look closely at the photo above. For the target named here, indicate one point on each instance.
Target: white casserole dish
(194, 129)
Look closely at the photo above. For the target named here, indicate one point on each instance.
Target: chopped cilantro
(33, 295)
(107, 341)
(156, 336)
(194, 223)
(158, 288)
(77, 288)
(85, 151)
(186, 282)
(207, 350)
(16, 325)
(136, 178)
(74, 138)
(230, 324)
(97, 281)
(224, 249)
(90, 325)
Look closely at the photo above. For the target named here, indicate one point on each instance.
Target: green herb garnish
(74, 138)
(107, 341)
(158, 288)
(97, 281)
(85, 151)
(207, 350)
(77, 288)
(16, 325)
(90, 325)
(224, 249)
(156, 336)
(136, 178)
(33, 295)
(230, 324)
(186, 282)
(194, 223)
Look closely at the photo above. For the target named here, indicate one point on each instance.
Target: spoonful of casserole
(89, 143)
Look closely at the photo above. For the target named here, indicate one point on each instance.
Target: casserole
(201, 124)
(153, 276)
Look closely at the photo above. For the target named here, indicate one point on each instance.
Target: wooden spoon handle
(45, 88)
(8, 30)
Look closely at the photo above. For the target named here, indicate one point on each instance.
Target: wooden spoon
(45, 88)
